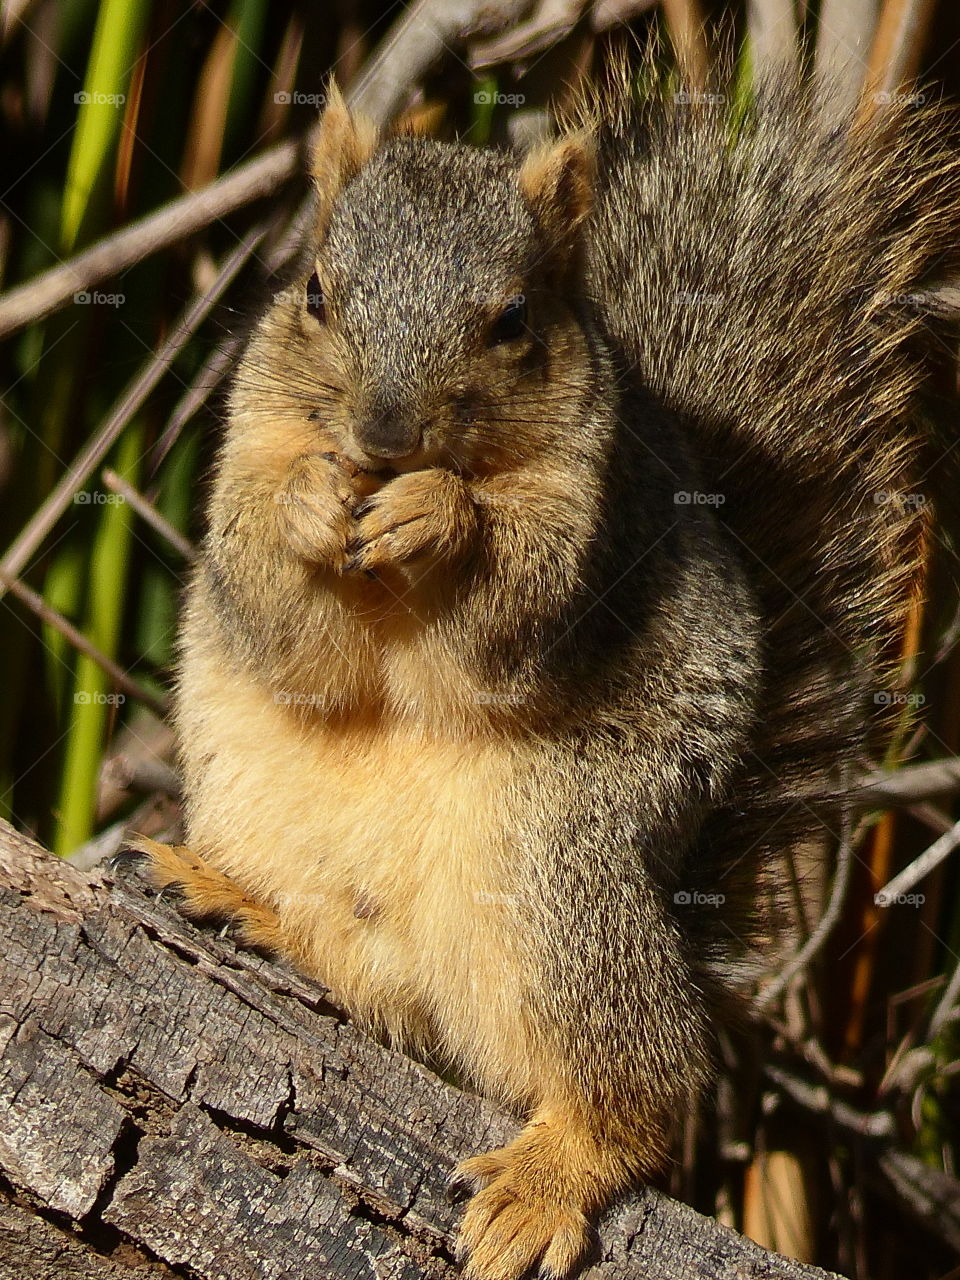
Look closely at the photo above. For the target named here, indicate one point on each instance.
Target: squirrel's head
(440, 317)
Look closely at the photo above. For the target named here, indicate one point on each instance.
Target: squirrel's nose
(388, 435)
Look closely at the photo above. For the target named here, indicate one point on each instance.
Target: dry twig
(172, 223)
(912, 875)
(149, 514)
(46, 613)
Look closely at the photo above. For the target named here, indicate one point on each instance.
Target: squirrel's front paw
(204, 893)
(316, 505)
(418, 517)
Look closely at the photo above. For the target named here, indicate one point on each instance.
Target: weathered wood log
(173, 1106)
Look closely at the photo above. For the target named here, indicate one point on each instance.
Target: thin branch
(418, 41)
(173, 222)
(932, 816)
(104, 845)
(910, 785)
(551, 21)
(818, 1098)
(947, 1007)
(222, 359)
(920, 867)
(772, 26)
(146, 774)
(844, 36)
(212, 372)
(149, 514)
(59, 623)
(687, 27)
(901, 36)
(825, 926)
(930, 1195)
(605, 14)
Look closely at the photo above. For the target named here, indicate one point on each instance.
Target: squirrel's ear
(421, 121)
(557, 183)
(342, 145)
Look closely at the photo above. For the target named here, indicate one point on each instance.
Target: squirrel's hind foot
(533, 1203)
(206, 894)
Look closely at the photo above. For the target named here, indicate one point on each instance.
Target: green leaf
(100, 109)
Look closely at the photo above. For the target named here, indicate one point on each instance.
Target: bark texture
(173, 1106)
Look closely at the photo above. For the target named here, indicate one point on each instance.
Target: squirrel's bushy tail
(770, 281)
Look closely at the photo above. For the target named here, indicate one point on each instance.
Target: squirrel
(559, 541)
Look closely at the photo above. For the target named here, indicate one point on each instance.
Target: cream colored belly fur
(384, 849)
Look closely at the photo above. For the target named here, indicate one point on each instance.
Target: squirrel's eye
(316, 305)
(511, 323)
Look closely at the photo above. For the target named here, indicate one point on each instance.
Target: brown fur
(468, 698)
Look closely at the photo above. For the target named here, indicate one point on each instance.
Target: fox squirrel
(559, 532)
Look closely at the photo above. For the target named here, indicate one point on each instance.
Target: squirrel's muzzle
(388, 434)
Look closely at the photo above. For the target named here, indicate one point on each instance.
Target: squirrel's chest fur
(385, 849)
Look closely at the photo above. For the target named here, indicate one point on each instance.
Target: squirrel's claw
(471, 1175)
(378, 544)
(125, 859)
(354, 564)
(461, 1186)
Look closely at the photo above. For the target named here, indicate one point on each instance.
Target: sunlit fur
(459, 747)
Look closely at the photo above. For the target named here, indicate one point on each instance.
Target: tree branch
(166, 1097)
